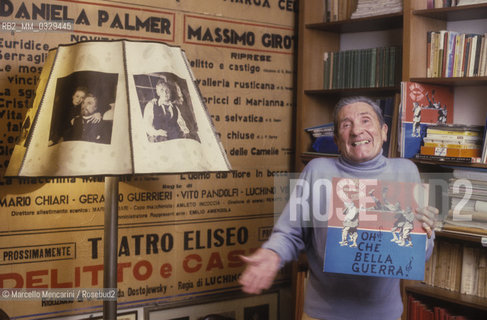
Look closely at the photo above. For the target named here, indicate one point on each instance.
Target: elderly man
(360, 132)
(83, 126)
(162, 115)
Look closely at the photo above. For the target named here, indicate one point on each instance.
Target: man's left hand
(427, 217)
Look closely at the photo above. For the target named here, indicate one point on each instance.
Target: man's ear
(384, 132)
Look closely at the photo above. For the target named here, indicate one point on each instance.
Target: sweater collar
(377, 163)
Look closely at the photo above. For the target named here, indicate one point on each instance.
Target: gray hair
(349, 100)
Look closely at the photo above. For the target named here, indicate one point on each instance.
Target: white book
(469, 270)
(471, 174)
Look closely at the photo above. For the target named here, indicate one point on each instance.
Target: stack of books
(339, 10)
(322, 137)
(468, 199)
(369, 8)
(458, 267)
(453, 143)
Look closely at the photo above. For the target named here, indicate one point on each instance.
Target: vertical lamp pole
(110, 245)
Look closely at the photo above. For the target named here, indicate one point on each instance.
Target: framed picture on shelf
(240, 307)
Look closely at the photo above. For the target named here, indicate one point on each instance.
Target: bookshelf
(470, 306)
(417, 22)
(315, 104)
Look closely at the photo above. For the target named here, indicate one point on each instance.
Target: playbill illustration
(373, 231)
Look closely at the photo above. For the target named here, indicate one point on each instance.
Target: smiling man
(360, 132)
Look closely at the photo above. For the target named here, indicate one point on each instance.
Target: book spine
(477, 56)
(445, 55)
(450, 152)
(434, 53)
(326, 70)
(451, 54)
(481, 56)
(428, 52)
(471, 56)
(444, 158)
(484, 56)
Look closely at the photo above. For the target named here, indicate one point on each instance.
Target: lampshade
(113, 108)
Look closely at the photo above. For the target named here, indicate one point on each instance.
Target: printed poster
(422, 105)
(179, 234)
(373, 230)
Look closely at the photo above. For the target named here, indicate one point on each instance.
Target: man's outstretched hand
(262, 267)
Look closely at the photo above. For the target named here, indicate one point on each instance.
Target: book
(422, 105)
(456, 130)
(484, 146)
(372, 229)
(479, 217)
(322, 137)
(475, 206)
(470, 173)
(450, 143)
(153, 118)
(450, 152)
(445, 158)
(469, 270)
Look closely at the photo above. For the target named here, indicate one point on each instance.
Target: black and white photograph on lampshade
(83, 107)
(166, 107)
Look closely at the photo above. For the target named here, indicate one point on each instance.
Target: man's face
(88, 106)
(360, 135)
(163, 92)
(78, 97)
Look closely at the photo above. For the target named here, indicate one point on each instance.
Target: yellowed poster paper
(179, 235)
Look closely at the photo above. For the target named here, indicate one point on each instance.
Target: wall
(186, 242)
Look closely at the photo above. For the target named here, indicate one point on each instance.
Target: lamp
(113, 108)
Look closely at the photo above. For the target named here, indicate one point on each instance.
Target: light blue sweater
(338, 296)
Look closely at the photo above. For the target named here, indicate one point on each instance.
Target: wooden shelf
(456, 81)
(447, 295)
(469, 237)
(353, 91)
(478, 11)
(308, 156)
(450, 163)
(376, 23)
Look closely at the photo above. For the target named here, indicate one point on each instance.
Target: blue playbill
(373, 230)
